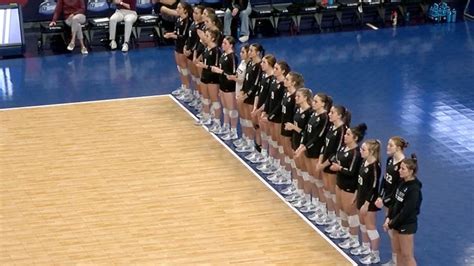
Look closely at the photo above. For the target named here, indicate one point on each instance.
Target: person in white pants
(73, 12)
(243, 9)
(125, 12)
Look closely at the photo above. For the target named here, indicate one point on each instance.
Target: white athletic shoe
(325, 221)
(125, 47)
(215, 128)
(389, 263)
(84, 51)
(370, 259)
(239, 142)
(361, 250)
(349, 243)
(245, 148)
(244, 38)
(282, 181)
(176, 92)
(113, 44)
(308, 208)
(230, 136)
(293, 197)
(203, 121)
(289, 190)
(331, 228)
(339, 234)
(299, 203)
(70, 46)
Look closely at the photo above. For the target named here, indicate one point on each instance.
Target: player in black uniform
(347, 164)
(247, 93)
(272, 116)
(189, 51)
(367, 193)
(210, 81)
(340, 118)
(293, 82)
(179, 35)
(312, 141)
(301, 117)
(391, 180)
(239, 79)
(228, 67)
(402, 215)
(266, 79)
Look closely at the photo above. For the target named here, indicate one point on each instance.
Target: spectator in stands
(125, 12)
(73, 13)
(241, 8)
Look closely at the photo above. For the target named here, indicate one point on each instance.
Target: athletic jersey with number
(300, 119)
(277, 90)
(350, 161)
(390, 181)
(368, 183)
(314, 134)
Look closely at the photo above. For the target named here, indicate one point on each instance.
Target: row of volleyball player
(302, 142)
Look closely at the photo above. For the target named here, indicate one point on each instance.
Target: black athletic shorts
(407, 229)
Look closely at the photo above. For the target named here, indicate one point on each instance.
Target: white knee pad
(225, 111)
(305, 176)
(353, 221)
(248, 123)
(215, 105)
(287, 160)
(292, 163)
(233, 113)
(298, 172)
(274, 144)
(280, 149)
(343, 215)
(184, 71)
(319, 183)
(373, 234)
(333, 197)
(206, 101)
(363, 229)
(327, 194)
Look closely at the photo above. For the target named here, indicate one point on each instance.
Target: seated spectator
(125, 12)
(241, 8)
(73, 13)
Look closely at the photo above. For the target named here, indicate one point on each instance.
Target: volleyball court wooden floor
(134, 181)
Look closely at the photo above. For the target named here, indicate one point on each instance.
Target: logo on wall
(47, 7)
(97, 5)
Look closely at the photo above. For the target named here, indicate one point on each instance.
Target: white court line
(371, 26)
(85, 102)
(269, 186)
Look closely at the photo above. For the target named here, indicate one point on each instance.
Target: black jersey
(193, 38)
(406, 206)
(367, 184)
(314, 134)
(277, 90)
(264, 88)
(251, 80)
(228, 63)
(210, 58)
(333, 141)
(287, 112)
(182, 30)
(350, 161)
(300, 119)
(390, 181)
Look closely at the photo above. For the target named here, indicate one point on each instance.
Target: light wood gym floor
(134, 181)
